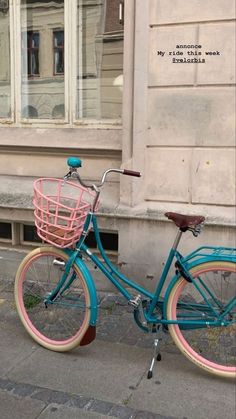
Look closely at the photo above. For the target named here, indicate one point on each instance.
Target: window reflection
(30, 49)
(42, 34)
(5, 79)
(58, 41)
(99, 59)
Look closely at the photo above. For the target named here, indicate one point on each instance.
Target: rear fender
(178, 275)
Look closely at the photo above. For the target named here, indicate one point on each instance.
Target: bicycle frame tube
(117, 279)
(65, 282)
(115, 276)
(190, 262)
(161, 283)
(109, 269)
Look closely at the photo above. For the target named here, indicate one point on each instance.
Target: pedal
(58, 262)
(135, 302)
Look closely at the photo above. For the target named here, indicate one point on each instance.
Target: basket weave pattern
(60, 211)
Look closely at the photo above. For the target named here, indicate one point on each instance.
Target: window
(99, 59)
(58, 45)
(5, 230)
(30, 50)
(70, 63)
(5, 71)
(109, 240)
(30, 234)
(39, 58)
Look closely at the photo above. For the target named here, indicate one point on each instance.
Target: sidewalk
(106, 379)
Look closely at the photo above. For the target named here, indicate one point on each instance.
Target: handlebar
(74, 163)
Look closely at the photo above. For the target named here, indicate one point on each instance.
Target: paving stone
(51, 396)
(23, 390)
(141, 414)
(122, 412)
(54, 411)
(6, 384)
(12, 407)
(79, 401)
(100, 406)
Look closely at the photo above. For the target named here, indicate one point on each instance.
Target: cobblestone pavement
(115, 324)
(54, 400)
(174, 392)
(115, 321)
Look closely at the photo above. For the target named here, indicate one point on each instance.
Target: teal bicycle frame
(183, 268)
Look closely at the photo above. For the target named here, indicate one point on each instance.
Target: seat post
(177, 240)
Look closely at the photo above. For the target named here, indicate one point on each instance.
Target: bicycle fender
(92, 289)
(175, 278)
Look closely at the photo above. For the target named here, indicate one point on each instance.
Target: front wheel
(211, 348)
(62, 323)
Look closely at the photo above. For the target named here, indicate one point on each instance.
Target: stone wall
(183, 130)
(191, 106)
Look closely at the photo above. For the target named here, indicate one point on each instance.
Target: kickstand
(156, 357)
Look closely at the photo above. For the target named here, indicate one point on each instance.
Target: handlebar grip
(131, 173)
(74, 162)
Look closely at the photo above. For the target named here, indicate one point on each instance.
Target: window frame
(11, 118)
(70, 61)
(80, 122)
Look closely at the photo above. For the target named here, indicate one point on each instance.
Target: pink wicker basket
(60, 211)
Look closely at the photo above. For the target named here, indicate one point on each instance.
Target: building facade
(146, 85)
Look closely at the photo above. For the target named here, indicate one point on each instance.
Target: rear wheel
(61, 324)
(211, 348)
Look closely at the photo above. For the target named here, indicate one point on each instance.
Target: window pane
(58, 41)
(5, 230)
(30, 234)
(5, 78)
(99, 59)
(42, 86)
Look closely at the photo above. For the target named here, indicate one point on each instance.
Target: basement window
(109, 241)
(5, 231)
(30, 234)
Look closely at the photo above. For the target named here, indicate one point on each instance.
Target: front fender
(90, 284)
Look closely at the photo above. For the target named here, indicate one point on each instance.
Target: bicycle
(56, 297)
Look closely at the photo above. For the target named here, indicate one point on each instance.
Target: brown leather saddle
(185, 222)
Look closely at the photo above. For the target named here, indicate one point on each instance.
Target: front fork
(64, 283)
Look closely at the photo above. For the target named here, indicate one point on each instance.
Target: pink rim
(185, 344)
(26, 318)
